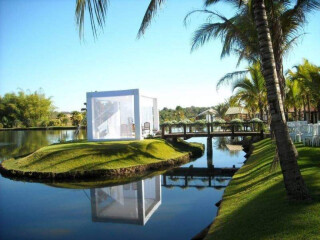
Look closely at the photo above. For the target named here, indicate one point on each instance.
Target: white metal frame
(137, 112)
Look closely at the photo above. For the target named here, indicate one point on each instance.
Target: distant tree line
(180, 113)
(34, 110)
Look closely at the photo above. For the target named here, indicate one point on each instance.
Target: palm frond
(150, 13)
(233, 76)
(97, 13)
(236, 3)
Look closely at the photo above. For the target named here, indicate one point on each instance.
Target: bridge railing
(208, 128)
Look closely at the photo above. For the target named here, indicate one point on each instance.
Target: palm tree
(239, 33)
(221, 109)
(293, 97)
(293, 180)
(252, 91)
(307, 77)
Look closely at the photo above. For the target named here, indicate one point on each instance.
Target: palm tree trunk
(309, 109)
(293, 181)
(295, 114)
(261, 110)
(277, 40)
(299, 113)
(304, 110)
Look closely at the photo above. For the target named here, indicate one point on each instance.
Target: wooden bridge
(191, 173)
(187, 131)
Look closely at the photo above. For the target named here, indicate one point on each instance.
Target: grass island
(83, 159)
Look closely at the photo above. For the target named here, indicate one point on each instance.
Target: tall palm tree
(252, 91)
(239, 34)
(293, 180)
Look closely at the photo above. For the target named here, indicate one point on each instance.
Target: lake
(144, 209)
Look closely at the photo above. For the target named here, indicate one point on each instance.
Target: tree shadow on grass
(261, 210)
(269, 215)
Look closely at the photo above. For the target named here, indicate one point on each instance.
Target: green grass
(88, 156)
(255, 205)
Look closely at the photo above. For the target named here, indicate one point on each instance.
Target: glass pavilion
(121, 115)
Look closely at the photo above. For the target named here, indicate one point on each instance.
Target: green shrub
(236, 120)
(256, 120)
(54, 123)
(218, 121)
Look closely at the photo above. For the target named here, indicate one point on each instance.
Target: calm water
(138, 210)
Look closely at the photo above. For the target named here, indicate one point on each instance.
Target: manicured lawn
(87, 156)
(255, 204)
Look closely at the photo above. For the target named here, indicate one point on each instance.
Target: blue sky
(40, 48)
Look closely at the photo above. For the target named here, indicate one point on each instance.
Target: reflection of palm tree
(221, 143)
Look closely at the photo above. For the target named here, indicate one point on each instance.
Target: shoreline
(95, 174)
(42, 128)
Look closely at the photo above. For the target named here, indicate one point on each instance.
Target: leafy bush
(218, 120)
(256, 120)
(54, 122)
(44, 123)
(185, 121)
(236, 120)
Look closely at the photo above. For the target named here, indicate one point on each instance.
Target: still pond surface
(144, 209)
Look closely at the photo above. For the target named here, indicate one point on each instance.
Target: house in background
(237, 112)
(121, 115)
(300, 114)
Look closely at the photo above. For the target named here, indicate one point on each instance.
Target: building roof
(236, 110)
(209, 111)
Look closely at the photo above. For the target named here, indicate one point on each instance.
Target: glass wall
(113, 117)
(147, 116)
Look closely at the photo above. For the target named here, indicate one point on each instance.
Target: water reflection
(224, 143)
(132, 203)
(17, 143)
(196, 178)
(167, 210)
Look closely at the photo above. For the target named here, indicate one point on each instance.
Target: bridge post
(209, 161)
(185, 132)
(208, 129)
(164, 179)
(209, 146)
(232, 131)
(170, 129)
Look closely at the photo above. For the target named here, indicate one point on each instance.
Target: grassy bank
(255, 204)
(96, 156)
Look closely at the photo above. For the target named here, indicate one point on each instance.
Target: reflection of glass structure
(132, 203)
(121, 115)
